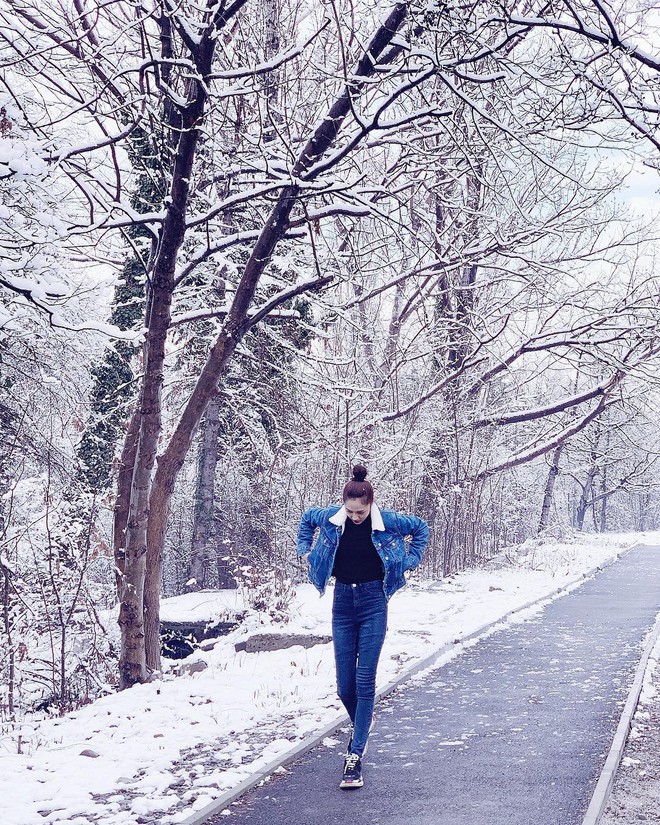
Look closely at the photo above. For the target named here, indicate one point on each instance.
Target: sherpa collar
(340, 517)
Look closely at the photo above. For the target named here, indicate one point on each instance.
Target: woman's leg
(345, 643)
(372, 617)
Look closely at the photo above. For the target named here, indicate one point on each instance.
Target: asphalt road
(514, 731)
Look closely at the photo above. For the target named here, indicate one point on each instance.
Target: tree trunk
(123, 497)
(585, 497)
(549, 489)
(602, 523)
(644, 507)
(133, 663)
(201, 556)
(7, 620)
(171, 461)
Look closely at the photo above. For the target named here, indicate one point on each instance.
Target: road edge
(603, 789)
(228, 797)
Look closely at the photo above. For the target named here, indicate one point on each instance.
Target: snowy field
(158, 751)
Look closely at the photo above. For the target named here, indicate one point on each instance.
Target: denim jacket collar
(340, 517)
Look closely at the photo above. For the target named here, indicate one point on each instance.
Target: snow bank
(163, 748)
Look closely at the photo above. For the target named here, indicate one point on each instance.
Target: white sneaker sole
(348, 784)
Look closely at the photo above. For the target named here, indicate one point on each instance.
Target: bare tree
(419, 136)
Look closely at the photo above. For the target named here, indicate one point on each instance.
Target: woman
(363, 548)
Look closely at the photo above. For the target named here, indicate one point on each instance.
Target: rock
(208, 644)
(279, 641)
(188, 668)
(89, 752)
(492, 588)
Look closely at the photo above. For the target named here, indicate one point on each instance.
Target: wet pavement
(514, 731)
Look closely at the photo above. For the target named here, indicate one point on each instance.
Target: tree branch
(543, 412)
(530, 455)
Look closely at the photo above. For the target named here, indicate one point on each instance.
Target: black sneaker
(352, 777)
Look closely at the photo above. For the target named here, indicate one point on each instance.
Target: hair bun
(359, 472)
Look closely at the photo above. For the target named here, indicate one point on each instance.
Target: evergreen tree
(113, 377)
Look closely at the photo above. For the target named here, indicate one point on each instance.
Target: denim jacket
(387, 533)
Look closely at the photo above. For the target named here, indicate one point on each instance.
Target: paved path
(513, 732)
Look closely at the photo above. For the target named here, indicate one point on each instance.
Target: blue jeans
(359, 622)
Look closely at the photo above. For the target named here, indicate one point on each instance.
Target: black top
(357, 559)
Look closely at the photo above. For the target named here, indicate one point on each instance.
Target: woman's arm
(310, 521)
(418, 530)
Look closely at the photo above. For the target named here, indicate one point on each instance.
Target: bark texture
(201, 551)
(548, 493)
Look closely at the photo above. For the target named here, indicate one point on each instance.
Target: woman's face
(357, 510)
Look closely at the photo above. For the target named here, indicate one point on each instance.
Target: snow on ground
(207, 606)
(635, 797)
(159, 750)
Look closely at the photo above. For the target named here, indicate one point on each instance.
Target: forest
(244, 245)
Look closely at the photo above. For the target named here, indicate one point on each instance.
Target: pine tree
(113, 377)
